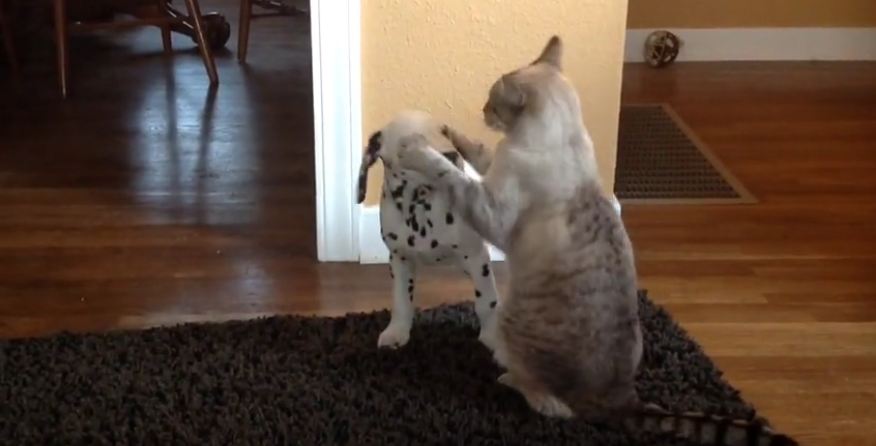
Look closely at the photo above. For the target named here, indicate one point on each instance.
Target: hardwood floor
(145, 200)
(782, 294)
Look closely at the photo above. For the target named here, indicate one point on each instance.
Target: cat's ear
(512, 93)
(552, 54)
(369, 157)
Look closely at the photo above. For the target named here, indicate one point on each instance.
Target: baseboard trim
(371, 247)
(763, 44)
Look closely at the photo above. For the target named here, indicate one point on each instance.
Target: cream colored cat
(568, 332)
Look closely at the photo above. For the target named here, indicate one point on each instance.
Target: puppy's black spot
(392, 235)
(411, 240)
(403, 258)
(449, 218)
(429, 222)
(399, 191)
(427, 206)
(486, 270)
(414, 225)
(434, 244)
(410, 289)
(477, 293)
(493, 304)
(465, 257)
(398, 206)
(423, 232)
(455, 246)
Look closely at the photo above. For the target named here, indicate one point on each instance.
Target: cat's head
(528, 90)
(384, 145)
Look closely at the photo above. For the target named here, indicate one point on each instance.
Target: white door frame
(337, 120)
(345, 231)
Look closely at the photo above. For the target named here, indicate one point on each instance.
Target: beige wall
(442, 56)
(751, 13)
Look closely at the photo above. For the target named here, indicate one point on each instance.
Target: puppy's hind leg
(477, 266)
(398, 332)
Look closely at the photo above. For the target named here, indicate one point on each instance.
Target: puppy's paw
(488, 341)
(487, 335)
(394, 336)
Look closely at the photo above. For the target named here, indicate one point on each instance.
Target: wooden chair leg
(165, 29)
(243, 31)
(203, 45)
(61, 42)
(6, 27)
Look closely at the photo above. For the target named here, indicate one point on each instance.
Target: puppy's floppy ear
(368, 159)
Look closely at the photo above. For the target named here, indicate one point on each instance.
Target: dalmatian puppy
(419, 229)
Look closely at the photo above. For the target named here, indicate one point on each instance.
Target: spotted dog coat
(418, 227)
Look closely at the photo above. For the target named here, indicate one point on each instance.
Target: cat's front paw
(551, 407)
(394, 336)
(453, 136)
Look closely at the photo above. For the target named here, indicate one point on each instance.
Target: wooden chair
(277, 7)
(9, 46)
(163, 20)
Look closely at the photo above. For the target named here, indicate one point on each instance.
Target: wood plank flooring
(782, 293)
(145, 200)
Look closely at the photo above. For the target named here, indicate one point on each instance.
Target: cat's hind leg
(536, 396)
(398, 332)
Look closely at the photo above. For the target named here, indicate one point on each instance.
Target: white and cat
(568, 331)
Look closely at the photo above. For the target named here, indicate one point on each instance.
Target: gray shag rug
(314, 380)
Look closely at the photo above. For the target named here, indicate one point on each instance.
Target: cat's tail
(703, 428)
